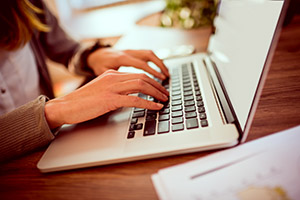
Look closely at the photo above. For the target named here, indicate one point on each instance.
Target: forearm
(24, 129)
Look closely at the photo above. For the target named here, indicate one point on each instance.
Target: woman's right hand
(105, 93)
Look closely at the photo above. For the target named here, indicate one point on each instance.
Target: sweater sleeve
(24, 129)
(59, 46)
(56, 44)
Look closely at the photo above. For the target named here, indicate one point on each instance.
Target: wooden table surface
(279, 109)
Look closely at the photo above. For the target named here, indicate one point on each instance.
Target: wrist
(86, 54)
(54, 114)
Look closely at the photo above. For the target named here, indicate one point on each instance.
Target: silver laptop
(213, 97)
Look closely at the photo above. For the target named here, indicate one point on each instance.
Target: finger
(134, 101)
(148, 55)
(131, 76)
(116, 76)
(158, 62)
(140, 64)
(139, 86)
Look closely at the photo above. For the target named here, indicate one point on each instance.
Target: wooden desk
(279, 109)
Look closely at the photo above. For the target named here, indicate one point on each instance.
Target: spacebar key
(149, 127)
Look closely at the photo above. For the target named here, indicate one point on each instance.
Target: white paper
(267, 168)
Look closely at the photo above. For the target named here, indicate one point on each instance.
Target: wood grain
(279, 108)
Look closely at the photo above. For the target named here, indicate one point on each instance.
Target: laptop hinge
(222, 95)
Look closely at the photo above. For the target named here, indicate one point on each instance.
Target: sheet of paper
(267, 168)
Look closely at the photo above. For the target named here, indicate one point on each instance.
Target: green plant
(189, 14)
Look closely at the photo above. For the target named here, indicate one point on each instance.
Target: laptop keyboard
(184, 110)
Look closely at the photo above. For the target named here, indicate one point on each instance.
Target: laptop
(213, 98)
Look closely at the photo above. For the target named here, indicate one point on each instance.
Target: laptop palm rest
(82, 144)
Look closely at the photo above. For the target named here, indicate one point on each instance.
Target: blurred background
(89, 20)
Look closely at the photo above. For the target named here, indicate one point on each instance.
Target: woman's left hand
(104, 59)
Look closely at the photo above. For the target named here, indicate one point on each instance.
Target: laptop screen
(240, 46)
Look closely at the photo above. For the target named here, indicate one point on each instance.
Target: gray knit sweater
(24, 129)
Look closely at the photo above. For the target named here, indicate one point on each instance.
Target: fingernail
(159, 105)
(165, 97)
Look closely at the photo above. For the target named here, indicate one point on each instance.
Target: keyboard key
(151, 117)
(190, 115)
(177, 120)
(166, 104)
(187, 89)
(130, 134)
(192, 123)
(189, 93)
(164, 111)
(184, 66)
(199, 98)
(187, 81)
(138, 126)
(177, 114)
(143, 96)
(176, 108)
(163, 117)
(197, 93)
(163, 127)
(189, 103)
(149, 128)
(190, 109)
(151, 98)
(185, 74)
(204, 123)
(186, 85)
(202, 116)
(201, 109)
(175, 103)
(177, 88)
(175, 85)
(138, 114)
(134, 120)
(200, 103)
(177, 127)
(176, 93)
(133, 127)
(188, 98)
(175, 78)
(151, 112)
(138, 109)
(176, 97)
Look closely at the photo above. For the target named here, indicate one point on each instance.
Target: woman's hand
(106, 58)
(105, 93)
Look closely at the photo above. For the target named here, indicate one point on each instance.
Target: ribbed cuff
(79, 62)
(24, 129)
